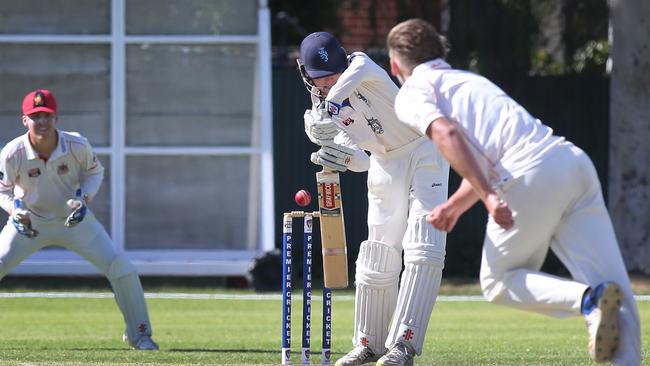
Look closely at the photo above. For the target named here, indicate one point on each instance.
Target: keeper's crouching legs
(420, 284)
(130, 299)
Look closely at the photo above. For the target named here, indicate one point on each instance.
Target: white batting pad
(377, 274)
(130, 298)
(423, 264)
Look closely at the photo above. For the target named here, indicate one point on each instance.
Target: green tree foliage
(585, 48)
(505, 38)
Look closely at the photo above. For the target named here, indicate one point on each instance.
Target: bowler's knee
(493, 287)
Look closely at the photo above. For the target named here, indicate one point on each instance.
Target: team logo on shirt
(332, 108)
(361, 97)
(34, 172)
(375, 126)
(348, 121)
(62, 169)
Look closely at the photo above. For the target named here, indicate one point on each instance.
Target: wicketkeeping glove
(22, 222)
(333, 157)
(320, 129)
(78, 206)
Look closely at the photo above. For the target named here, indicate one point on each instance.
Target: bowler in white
(540, 190)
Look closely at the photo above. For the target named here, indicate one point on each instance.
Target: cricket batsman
(48, 178)
(352, 112)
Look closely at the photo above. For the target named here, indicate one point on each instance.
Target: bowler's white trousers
(558, 204)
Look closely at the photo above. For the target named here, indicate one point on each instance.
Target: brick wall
(366, 23)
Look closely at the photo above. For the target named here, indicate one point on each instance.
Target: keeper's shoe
(144, 343)
(600, 307)
(401, 354)
(359, 355)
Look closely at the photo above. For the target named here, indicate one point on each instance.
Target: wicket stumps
(287, 285)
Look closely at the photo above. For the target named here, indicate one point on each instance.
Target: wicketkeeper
(47, 179)
(352, 112)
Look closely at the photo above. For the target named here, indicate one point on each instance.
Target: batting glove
(78, 206)
(20, 219)
(333, 157)
(320, 129)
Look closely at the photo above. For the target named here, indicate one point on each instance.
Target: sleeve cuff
(427, 121)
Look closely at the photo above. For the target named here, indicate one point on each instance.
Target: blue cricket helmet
(322, 55)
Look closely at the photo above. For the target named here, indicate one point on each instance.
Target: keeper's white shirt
(45, 186)
(364, 95)
(507, 140)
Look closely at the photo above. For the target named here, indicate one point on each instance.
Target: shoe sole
(370, 361)
(607, 334)
(408, 363)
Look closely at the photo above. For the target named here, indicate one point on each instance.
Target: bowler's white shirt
(504, 135)
(45, 186)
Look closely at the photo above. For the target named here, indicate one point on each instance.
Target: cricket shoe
(600, 307)
(400, 354)
(358, 356)
(144, 343)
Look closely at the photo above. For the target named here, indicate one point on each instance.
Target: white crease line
(186, 296)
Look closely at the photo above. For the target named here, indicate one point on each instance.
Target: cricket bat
(332, 230)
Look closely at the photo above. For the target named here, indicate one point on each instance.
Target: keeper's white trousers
(558, 204)
(88, 239)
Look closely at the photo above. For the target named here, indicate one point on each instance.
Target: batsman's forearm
(454, 148)
(347, 83)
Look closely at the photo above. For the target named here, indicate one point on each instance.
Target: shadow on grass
(220, 350)
(31, 348)
(232, 350)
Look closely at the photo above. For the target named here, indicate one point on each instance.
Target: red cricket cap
(40, 100)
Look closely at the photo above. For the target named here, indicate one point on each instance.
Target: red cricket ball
(303, 198)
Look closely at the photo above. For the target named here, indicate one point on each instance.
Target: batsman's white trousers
(558, 204)
(403, 186)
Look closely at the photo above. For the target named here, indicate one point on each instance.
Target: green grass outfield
(239, 327)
